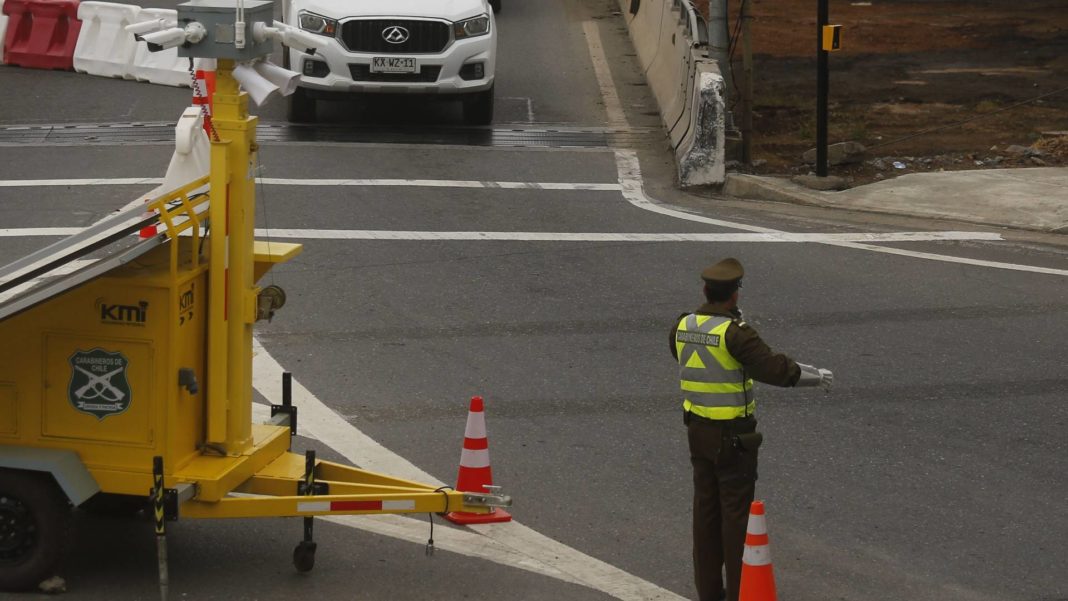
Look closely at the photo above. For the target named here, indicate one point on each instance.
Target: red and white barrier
(104, 47)
(164, 67)
(41, 34)
(89, 37)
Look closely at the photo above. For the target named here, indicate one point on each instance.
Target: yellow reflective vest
(713, 382)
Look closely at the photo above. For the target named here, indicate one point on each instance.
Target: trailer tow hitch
(492, 498)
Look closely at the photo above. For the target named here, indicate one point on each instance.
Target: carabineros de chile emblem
(98, 384)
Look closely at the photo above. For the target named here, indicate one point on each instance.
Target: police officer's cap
(726, 271)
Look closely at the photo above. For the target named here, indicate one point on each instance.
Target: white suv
(433, 47)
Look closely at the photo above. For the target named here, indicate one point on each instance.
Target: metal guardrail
(695, 23)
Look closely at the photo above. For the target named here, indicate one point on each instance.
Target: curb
(777, 189)
(781, 189)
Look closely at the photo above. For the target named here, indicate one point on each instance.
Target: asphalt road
(934, 470)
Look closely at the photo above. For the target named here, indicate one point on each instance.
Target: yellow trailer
(136, 383)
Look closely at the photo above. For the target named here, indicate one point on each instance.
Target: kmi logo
(130, 315)
(186, 300)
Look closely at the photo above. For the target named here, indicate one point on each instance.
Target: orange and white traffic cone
(204, 90)
(475, 473)
(758, 581)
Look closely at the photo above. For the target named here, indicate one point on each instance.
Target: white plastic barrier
(162, 67)
(192, 155)
(104, 48)
(3, 30)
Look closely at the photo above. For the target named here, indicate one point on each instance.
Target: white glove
(815, 376)
(826, 378)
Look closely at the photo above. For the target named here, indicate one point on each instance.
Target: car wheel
(478, 108)
(301, 107)
(495, 5)
(34, 528)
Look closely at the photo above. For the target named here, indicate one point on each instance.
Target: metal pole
(747, 85)
(822, 90)
(719, 41)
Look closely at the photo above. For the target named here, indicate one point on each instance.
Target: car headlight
(470, 28)
(317, 24)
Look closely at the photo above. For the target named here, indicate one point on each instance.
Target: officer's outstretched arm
(815, 376)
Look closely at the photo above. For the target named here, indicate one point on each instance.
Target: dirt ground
(990, 77)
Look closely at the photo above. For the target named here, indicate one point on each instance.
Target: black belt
(728, 424)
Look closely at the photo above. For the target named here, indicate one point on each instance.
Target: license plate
(391, 64)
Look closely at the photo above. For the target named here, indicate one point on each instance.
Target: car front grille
(365, 35)
(427, 74)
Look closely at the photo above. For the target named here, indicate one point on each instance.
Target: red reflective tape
(226, 294)
(356, 506)
(476, 444)
(756, 540)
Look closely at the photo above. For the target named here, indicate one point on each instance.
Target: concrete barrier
(164, 67)
(669, 39)
(104, 48)
(700, 151)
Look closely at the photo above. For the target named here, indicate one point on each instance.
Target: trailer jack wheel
(34, 528)
(304, 556)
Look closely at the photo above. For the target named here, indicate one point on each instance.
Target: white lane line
(950, 259)
(511, 544)
(443, 183)
(526, 101)
(612, 106)
(622, 236)
(121, 181)
(277, 181)
(783, 237)
(631, 180)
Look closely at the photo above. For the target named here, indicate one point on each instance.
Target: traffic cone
(204, 90)
(758, 581)
(475, 473)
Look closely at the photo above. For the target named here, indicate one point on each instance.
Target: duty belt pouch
(749, 441)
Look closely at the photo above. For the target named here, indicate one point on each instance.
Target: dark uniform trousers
(724, 478)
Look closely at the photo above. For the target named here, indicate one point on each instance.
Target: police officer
(719, 356)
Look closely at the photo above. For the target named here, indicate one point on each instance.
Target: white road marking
(443, 183)
(633, 191)
(612, 106)
(278, 181)
(119, 181)
(783, 237)
(528, 101)
(623, 236)
(511, 544)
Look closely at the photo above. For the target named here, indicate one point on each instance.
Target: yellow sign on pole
(832, 38)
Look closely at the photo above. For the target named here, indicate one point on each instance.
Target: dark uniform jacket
(745, 345)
